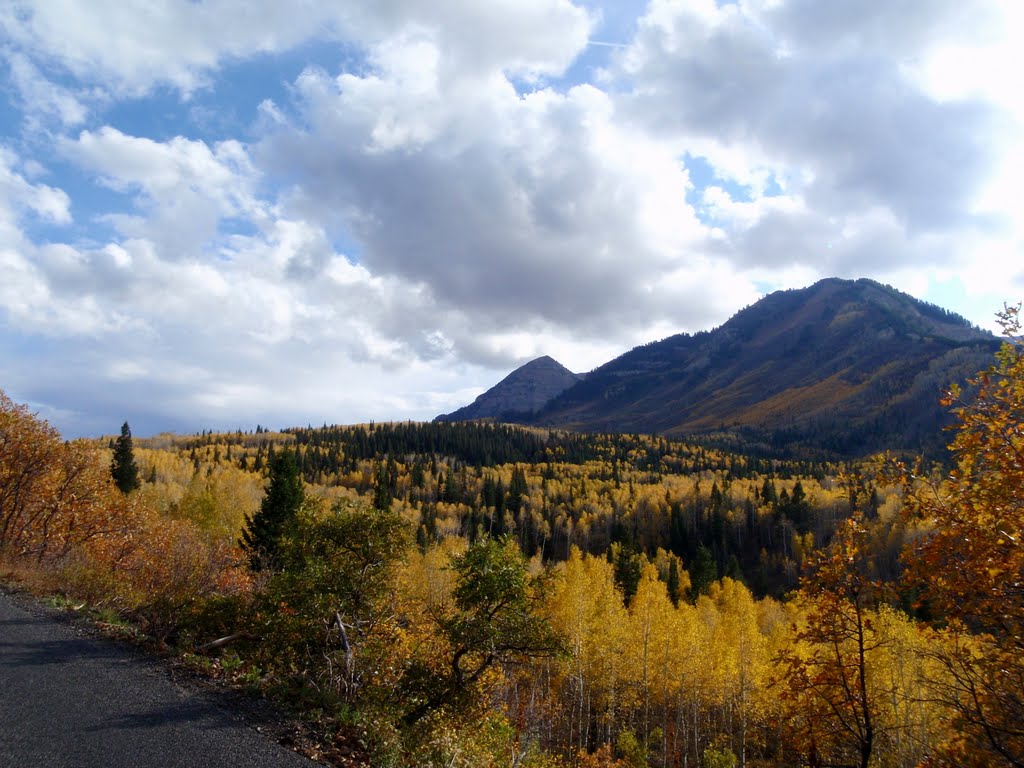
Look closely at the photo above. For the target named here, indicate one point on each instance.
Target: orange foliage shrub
(60, 510)
(54, 495)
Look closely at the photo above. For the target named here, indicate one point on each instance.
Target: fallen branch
(221, 642)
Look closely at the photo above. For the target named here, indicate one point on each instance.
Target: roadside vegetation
(480, 595)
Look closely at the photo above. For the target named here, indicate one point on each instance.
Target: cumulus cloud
(460, 187)
(130, 46)
(820, 95)
(19, 196)
(534, 207)
(171, 183)
(41, 98)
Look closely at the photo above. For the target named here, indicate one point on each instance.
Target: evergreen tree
(733, 570)
(123, 468)
(703, 572)
(797, 508)
(674, 582)
(262, 534)
(381, 489)
(517, 490)
(628, 569)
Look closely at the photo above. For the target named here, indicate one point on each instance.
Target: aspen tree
(968, 564)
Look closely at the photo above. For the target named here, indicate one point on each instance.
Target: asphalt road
(69, 700)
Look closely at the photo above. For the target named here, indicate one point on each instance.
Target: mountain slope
(843, 367)
(520, 394)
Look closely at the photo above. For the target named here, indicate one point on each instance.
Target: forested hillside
(552, 491)
(842, 369)
(479, 595)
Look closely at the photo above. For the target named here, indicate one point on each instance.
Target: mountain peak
(523, 392)
(544, 362)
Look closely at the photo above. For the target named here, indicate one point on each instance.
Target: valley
(747, 586)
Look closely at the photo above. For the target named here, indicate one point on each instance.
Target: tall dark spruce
(263, 532)
(123, 468)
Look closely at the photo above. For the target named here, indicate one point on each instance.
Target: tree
(382, 488)
(496, 619)
(650, 614)
(673, 584)
(967, 565)
(834, 709)
(54, 495)
(337, 573)
(703, 572)
(797, 508)
(28, 447)
(586, 606)
(497, 615)
(628, 567)
(738, 651)
(123, 468)
(261, 537)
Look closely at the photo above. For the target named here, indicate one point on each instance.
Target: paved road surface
(71, 701)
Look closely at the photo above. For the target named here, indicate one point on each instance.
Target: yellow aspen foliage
(967, 564)
(911, 721)
(219, 500)
(744, 659)
(834, 708)
(650, 613)
(585, 606)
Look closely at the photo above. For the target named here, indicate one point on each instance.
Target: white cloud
(42, 98)
(877, 174)
(163, 171)
(19, 196)
(452, 196)
(21, 287)
(182, 189)
(535, 208)
(129, 46)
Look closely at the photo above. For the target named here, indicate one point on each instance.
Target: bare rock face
(520, 394)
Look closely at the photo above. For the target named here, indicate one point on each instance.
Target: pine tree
(123, 468)
(382, 488)
(263, 532)
(703, 572)
(628, 568)
(673, 582)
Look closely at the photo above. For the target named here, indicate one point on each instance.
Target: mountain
(520, 394)
(840, 369)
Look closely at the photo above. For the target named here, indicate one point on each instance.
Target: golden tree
(968, 564)
(834, 708)
(28, 452)
(586, 607)
(54, 495)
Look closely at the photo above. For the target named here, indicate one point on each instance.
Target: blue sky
(220, 213)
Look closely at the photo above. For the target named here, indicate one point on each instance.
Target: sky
(222, 213)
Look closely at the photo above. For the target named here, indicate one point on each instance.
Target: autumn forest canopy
(476, 594)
